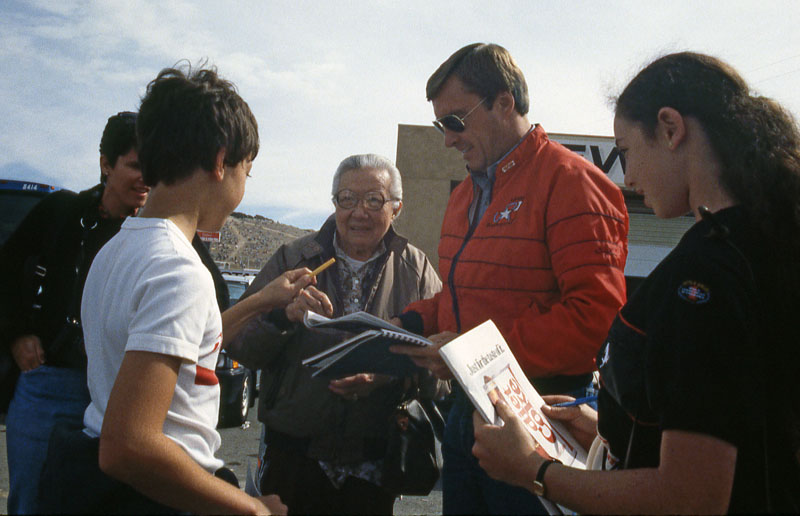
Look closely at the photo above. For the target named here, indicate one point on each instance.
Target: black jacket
(51, 237)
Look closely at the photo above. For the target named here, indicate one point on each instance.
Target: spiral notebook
(367, 352)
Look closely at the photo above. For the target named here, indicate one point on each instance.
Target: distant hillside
(247, 242)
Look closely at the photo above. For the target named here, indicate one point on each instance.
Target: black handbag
(411, 465)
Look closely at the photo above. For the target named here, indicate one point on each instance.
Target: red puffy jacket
(545, 262)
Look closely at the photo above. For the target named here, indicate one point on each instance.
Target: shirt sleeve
(422, 316)
(172, 308)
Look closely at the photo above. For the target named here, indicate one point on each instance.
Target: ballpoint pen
(575, 403)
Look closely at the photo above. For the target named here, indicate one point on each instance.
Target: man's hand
(358, 386)
(428, 356)
(273, 504)
(309, 298)
(507, 453)
(28, 352)
(279, 292)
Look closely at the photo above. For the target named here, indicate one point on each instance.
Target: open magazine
(366, 352)
(483, 364)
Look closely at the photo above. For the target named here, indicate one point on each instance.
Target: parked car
(17, 198)
(237, 383)
(237, 391)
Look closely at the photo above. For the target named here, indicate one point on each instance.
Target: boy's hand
(279, 292)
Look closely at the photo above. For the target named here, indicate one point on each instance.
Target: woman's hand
(358, 386)
(428, 356)
(309, 298)
(28, 352)
(581, 421)
(507, 453)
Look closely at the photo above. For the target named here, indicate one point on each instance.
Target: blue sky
(328, 79)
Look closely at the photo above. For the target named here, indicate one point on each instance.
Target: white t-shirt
(147, 290)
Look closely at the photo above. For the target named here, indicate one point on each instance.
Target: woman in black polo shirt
(699, 400)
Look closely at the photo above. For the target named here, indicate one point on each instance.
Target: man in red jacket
(534, 239)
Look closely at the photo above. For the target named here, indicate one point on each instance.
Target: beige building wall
(428, 169)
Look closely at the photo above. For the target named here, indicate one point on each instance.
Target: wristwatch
(539, 489)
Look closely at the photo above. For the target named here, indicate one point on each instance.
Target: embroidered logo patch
(694, 292)
(506, 216)
(508, 166)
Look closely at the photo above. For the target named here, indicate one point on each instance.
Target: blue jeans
(42, 396)
(466, 488)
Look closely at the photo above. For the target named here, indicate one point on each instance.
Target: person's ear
(105, 166)
(671, 128)
(505, 102)
(396, 209)
(219, 166)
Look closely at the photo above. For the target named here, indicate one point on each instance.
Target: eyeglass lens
(347, 199)
(453, 122)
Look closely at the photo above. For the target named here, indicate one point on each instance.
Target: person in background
(44, 264)
(325, 440)
(699, 397)
(149, 446)
(535, 239)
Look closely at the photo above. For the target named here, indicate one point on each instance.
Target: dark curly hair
(185, 118)
(119, 137)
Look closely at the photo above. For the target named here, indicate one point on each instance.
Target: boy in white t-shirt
(152, 326)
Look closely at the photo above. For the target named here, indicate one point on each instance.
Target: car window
(14, 205)
(236, 289)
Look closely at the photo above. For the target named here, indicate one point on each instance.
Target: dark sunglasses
(454, 123)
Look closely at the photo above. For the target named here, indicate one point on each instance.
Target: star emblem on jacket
(506, 215)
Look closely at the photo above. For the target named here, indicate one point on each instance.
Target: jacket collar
(524, 151)
(322, 243)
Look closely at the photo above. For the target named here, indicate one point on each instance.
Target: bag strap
(434, 416)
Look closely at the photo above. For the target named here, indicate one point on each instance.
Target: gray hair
(368, 162)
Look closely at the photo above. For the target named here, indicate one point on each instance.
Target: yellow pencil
(322, 267)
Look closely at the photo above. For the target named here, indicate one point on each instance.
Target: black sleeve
(17, 256)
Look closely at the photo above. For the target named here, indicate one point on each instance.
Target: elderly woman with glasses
(324, 440)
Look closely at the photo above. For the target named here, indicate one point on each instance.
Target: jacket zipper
(451, 276)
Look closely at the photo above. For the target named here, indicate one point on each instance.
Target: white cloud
(329, 79)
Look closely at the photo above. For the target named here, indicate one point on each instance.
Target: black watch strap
(539, 489)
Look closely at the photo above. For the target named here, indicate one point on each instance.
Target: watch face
(538, 488)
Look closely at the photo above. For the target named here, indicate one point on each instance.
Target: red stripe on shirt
(205, 376)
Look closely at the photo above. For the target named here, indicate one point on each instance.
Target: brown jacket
(302, 407)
